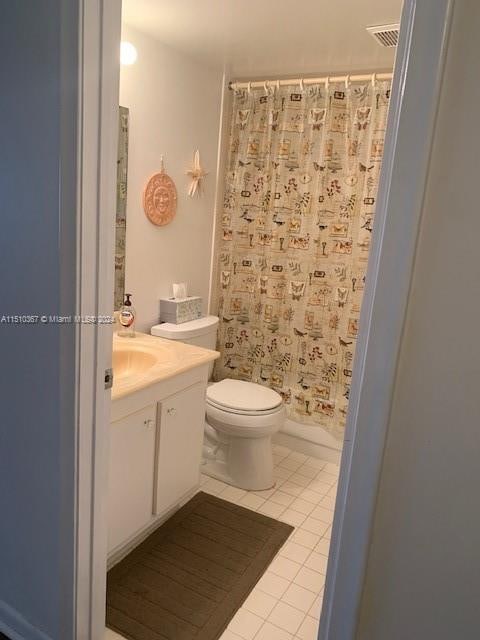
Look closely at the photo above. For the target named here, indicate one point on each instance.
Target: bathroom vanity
(156, 434)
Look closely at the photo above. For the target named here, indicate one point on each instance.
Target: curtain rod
(265, 84)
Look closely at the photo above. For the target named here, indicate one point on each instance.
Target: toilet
(240, 417)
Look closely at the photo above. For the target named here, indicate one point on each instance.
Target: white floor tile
(251, 501)
(229, 635)
(299, 597)
(280, 497)
(214, 486)
(245, 624)
(279, 482)
(295, 552)
(284, 568)
(300, 480)
(296, 455)
(332, 468)
(332, 491)
(270, 632)
(265, 494)
(292, 489)
(290, 463)
(323, 547)
(273, 584)
(280, 473)
(306, 539)
(271, 509)
(286, 617)
(292, 517)
(316, 462)
(328, 502)
(317, 562)
(312, 496)
(233, 494)
(320, 486)
(320, 513)
(305, 507)
(260, 603)
(323, 476)
(308, 629)
(316, 608)
(281, 450)
(311, 580)
(306, 470)
(315, 526)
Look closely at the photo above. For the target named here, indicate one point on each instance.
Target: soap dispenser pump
(126, 318)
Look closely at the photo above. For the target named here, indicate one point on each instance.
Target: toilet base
(246, 463)
(218, 471)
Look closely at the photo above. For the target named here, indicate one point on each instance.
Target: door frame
(418, 74)
(97, 140)
(416, 84)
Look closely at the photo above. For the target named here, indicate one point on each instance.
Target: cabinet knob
(172, 411)
(148, 423)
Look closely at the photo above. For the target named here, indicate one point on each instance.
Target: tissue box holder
(178, 310)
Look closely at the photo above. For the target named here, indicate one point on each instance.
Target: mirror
(121, 211)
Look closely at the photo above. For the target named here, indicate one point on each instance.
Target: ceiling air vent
(385, 34)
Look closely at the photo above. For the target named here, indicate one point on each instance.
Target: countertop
(145, 360)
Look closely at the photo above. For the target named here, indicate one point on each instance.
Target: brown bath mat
(187, 579)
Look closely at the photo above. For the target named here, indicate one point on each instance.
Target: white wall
(423, 574)
(174, 109)
(38, 104)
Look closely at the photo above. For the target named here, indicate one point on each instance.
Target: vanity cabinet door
(131, 475)
(181, 427)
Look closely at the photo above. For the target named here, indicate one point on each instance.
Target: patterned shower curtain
(300, 190)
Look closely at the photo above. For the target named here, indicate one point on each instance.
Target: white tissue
(179, 290)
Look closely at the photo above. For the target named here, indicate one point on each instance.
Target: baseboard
(16, 627)
(307, 447)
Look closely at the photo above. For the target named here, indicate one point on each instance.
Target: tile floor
(286, 602)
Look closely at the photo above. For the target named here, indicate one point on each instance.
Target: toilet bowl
(240, 417)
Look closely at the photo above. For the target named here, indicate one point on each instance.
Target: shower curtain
(299, 203)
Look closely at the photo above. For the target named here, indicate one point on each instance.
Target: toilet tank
(201, 332)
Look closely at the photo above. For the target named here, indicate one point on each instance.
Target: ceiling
(258, 38)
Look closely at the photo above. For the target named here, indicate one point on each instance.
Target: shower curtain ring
(347, 81)
(302, 86)
(327, 83)
(265, 86)
(249, 88)
(374, 79)
(278, 85)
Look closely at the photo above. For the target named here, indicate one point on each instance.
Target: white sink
(131, 362)
(144, 360)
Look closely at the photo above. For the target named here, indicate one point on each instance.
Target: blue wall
(38, 67)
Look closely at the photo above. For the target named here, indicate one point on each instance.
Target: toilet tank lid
(243, 396)
(185, 330)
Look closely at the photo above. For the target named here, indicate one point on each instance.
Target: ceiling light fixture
(128, 53)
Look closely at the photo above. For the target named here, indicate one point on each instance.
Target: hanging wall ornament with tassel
(160, 198)
(196, 173)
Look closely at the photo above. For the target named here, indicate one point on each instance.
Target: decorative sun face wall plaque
(160, 199)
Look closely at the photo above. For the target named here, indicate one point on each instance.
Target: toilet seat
(243, 398)
(239, 412)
